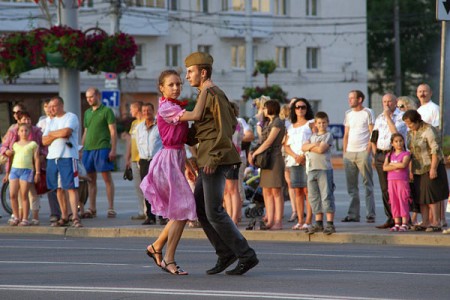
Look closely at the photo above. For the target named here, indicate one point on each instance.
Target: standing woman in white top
(302, 119)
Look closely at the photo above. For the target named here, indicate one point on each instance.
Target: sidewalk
(125, 205)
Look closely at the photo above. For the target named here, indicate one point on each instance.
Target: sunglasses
(16, 112)
(401, 106)
(301, 107)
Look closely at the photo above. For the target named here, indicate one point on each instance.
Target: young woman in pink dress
(165, 184)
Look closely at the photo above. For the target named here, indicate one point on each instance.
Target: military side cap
(198, 58)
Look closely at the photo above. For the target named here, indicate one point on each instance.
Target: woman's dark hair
(309, 112)
(22, 114)
(273, 107)
(412, 115)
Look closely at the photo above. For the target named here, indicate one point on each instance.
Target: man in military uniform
(216, 154)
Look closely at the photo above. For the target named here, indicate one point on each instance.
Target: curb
(412, 239)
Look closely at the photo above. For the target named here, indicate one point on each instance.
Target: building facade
(320, 47)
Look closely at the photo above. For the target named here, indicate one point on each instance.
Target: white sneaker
(35, 222)
(446, 231)
(306, 227)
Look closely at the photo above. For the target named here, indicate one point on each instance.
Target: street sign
(111, 98)
(443, 10)
(111, 81)
(337, 130)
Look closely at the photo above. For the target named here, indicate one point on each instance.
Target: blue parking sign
(111, 98)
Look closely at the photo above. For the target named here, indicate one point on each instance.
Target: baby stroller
(253, 193)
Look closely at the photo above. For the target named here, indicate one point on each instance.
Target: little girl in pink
(396, 164)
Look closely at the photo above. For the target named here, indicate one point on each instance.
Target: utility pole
(116, 14)
(69, 79)
(398, 63)
(248, 44)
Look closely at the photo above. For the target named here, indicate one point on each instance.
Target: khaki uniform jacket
(214, 130)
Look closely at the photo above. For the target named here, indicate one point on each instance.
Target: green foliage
(273, 91)
(419, 42)
(265, 67)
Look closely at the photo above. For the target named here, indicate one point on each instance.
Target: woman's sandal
(153, 255)
(61, 223)
(297, 226)
(13, 222)
(433, 229)
(24, 223)
(76, 223)
(111, 213)
(418, 228)
(89, 214)
(178, 270)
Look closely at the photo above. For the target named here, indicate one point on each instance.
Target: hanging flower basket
(64, 47)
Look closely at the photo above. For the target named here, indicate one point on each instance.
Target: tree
(265, 67)
(419, 42)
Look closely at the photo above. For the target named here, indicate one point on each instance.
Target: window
(239, 5)
(138, 58)
(147, 3)
(311, 8)
(173, 55)
(280, 7)
(202, 6)
(173, 4)
(261, 6)
(281, 55)
(315, 104)
(204, 48)
(312, 58)
(18, 1)
(238, 57)
(87, 3)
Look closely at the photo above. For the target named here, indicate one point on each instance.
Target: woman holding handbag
(272, 178)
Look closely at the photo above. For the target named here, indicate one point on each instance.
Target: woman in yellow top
(25, 156)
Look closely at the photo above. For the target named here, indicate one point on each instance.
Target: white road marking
(173, 292)
(372, 272)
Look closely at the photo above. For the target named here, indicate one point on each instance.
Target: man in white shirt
(61, 137)
(428, 110)
(148, 143)
(388, 122)
(358, 122)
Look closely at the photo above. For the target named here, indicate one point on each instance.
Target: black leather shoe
(243, 267)
(348, 219)
(221, 265)
(149, 221)
(385, 225)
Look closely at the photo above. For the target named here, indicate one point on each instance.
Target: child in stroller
(253, 193)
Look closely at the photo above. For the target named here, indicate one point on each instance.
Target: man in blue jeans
(359, 122)
(216, 155)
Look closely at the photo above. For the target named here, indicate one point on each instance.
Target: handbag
(41, 186)
(263, 160)
(128, 174)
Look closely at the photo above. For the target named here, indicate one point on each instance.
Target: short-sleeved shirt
(97, 124)
(23, 155)
(430, 113)
(320, 161)
(133, 134)
(399, 174)
(60, 148)
(384, 133)
(359, 134)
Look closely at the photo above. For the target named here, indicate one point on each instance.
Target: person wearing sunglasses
(405, 103)
(302, 118)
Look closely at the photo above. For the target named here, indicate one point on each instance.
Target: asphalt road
(51, 267)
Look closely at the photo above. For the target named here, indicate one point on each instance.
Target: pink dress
(165, 185)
